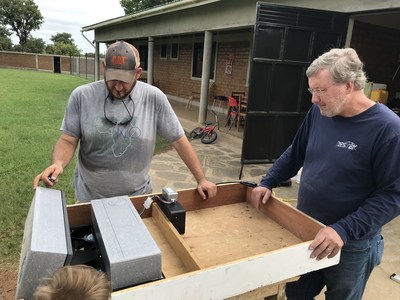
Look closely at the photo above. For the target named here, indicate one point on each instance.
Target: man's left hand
(327, 243)
(207, 189)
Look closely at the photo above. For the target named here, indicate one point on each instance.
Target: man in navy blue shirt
(348, 147)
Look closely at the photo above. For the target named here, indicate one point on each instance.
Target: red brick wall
(45, 62)
(17, 60)
(65, 64)
(175, 75)
(379, 48)
(239, 54)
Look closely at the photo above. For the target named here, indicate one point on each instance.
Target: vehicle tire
(195, 133)
(209, 137)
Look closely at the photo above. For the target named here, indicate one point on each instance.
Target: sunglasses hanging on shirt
(130, 115)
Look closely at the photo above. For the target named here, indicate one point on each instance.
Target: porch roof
(196, 16)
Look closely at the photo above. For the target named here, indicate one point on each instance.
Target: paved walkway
(220, 160)
(221, 163)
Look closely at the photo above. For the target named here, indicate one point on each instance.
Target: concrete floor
(221, 163)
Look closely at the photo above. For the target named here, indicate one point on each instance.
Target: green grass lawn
(31, 110)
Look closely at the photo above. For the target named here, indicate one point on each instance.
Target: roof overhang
(153, 12)
(196, 16)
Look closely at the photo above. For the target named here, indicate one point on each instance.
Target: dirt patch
(8, 278)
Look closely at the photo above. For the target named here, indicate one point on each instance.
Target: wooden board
(172, 264)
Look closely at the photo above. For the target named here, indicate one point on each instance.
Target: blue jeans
(344, 281)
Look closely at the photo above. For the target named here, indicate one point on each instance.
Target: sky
(70, 16)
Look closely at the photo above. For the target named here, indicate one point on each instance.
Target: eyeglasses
(130, 114)
(319, 92)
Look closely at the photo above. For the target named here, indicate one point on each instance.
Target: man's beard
(120, 95)
(335, 108)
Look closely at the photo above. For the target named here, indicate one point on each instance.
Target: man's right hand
(260, 195)
(63, 152)
(49, 176)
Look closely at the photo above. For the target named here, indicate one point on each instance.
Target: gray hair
(344, 65)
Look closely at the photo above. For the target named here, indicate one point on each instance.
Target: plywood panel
(222, 234)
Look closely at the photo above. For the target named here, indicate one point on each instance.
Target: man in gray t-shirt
(115, 122)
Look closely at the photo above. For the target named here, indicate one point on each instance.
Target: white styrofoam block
(46, 244)
(129, 253)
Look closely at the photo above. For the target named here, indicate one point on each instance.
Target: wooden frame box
(228, 249)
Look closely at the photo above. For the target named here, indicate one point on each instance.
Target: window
(174, 51)
(163, 51)
(197, 63)
(143, 52)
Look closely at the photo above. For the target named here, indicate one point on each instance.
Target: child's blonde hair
(75, 283)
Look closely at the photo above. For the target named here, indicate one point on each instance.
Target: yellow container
(380, 96)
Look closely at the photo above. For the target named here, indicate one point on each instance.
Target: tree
(63, 49)
(62, 37)
(23, 16)
(5, 41)
(63, 45)
(134, 6)
(35, 45)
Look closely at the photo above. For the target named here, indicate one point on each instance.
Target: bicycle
(207, 133)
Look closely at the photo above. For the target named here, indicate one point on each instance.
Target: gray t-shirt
(114, 160)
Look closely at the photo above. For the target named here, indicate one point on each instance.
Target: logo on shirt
(120, 137)
(348, 145)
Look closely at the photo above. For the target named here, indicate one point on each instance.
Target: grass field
(31, 110)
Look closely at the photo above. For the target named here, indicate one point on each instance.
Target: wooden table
(229, 249)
